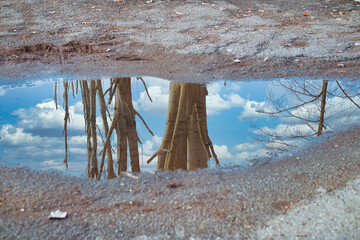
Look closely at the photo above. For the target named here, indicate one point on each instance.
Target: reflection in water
(31, 127)
(122, 121)
(309, 110)
(186, 142)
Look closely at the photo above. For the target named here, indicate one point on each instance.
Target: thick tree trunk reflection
(186, 144)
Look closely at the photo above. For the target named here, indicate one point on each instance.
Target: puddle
(238, 123)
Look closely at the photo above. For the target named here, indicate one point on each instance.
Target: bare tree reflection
(312, 99)
(122, 121)
(186, 143)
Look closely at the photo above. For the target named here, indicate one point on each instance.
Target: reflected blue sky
(31, 128)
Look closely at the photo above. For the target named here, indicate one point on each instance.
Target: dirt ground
(180, 40)
(226, 203)
(177, 40)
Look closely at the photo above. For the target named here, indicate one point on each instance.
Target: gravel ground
(308, 196)
(180, 40)
(333, 215)
(311, 195)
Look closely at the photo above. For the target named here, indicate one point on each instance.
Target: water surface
(239, 124)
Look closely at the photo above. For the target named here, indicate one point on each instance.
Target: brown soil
(228, 203)
(90, 39)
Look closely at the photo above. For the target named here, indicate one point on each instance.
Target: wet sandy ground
(227, 203)
(180, 40)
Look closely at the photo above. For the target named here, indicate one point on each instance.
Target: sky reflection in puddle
(31, 127)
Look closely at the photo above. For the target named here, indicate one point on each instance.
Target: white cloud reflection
(222, 152)
(30, 139)
(220, 98)
(45, 116)
(29, 84)
(158, 90)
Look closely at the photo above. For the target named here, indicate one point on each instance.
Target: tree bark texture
(103, 108)
(85, 94)
(93, 160)
(322, 107)
(126, 125)
(66, 120)
(186, 144)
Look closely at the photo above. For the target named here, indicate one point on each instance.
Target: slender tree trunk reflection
(186, 144)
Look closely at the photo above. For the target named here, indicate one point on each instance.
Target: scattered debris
(135, 203)
(174, 185)
(247, 226)
(130, 175)
(227, 191)
(211, 4)
(57, 215)
(284, 205)
(321, 190)
(148, 208)
(301, 235)
(219, 212)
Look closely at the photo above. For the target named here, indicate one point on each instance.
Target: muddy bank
(180, 40)
(228, 203)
